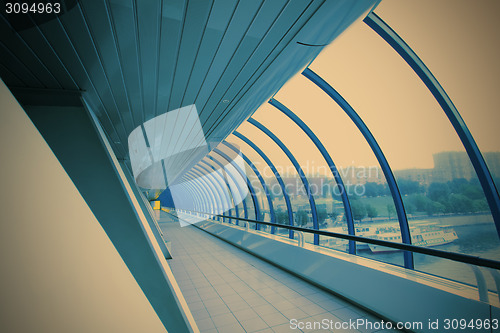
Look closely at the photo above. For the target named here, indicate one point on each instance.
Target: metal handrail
(464, 258)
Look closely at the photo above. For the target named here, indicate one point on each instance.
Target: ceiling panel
(135, 60)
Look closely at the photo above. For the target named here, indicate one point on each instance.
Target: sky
(458, 40)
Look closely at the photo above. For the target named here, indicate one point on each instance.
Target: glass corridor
(229, 290)
(378, 149)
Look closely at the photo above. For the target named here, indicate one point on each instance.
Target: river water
(477, 236)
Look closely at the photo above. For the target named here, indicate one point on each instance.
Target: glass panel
(279, 205)
(256, 184)
(204, 202)
(465, 32)
(293, 185)
(224, 199)
(241, 184)
(329, 207)
(445, 204)
(372, 205)
(208, 193)
(233, 192)
(206, 188)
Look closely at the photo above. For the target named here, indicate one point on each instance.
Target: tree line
(458, 196)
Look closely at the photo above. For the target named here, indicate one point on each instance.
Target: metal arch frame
(384, 164)
(477, 159)
(242, 174)
(182, 193)
(227, 191)
(197, 201)
(195, 193)
(340, 183)
(210, 199)
(201, 194)
(297, 167)
(247, 181)
(243, 198)
(211, 187)
(230, 213)
(227, 199)
(276, 174)
(230, 192)
(233, 179)
(262, 181)
(215, 199)
(219, 189)
(210, 202)
(202, 202)
(257, 173)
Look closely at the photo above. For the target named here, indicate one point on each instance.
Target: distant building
(422, 176)
(493, 161)
(450, 165)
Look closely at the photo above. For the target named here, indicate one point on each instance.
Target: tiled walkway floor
(229, 290)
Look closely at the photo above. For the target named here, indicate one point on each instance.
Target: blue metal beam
(209, 201)
(201, 195)
(331, 165)
(226, 204)
(389, 176)
(226, 199)
(230, 195)
(195, 182)
(243, 175)
(198, 194)
(477, 159)
(211, 187)
(214, 184)
(224, 175)
(262, 181)
(299, 171)
(187, 193)
(240, 191)
(276, 174)
(202, 192)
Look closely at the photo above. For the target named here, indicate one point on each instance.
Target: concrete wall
(59, 270)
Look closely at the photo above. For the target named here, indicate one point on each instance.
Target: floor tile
(229, 290)
(254, 324)
(275, 319)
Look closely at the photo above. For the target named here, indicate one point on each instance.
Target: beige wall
(59, 271)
